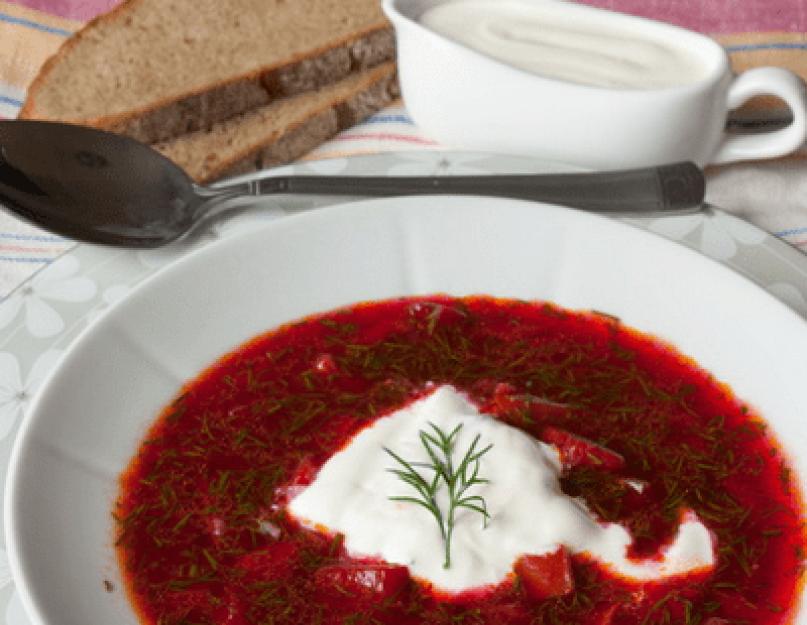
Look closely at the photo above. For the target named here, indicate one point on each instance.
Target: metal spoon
(104, 188)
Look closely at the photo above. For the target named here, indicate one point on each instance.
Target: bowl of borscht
(447, 410)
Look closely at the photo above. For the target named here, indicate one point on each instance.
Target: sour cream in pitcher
(543, 39)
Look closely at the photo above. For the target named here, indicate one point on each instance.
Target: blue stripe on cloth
(750, 47)
(32, 237)
(403, 119)
(791, 232)
(21, 259)
(4, 99)
(19, 21)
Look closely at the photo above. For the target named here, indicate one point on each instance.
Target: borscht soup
(459, 461)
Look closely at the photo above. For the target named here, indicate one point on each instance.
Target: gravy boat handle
(771, 81)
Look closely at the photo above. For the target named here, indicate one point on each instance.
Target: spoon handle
(670, 188)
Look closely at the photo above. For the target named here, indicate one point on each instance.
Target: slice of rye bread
(283, 130)
(156, 69)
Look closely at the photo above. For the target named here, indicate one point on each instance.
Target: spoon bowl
(100, 187)
(93, 185)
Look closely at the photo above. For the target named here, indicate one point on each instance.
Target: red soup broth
(203, 536)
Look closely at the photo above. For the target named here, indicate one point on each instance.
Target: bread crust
(201, 108)
(377, 89)
(27, 110)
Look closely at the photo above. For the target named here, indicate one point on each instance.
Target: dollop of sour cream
(589, 47)
(529, 514)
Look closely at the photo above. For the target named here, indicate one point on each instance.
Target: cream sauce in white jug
(555, 39)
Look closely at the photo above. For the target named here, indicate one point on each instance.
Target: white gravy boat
(467, 99)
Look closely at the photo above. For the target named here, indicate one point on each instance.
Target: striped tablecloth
(772, 195)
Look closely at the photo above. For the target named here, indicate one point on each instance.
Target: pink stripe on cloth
(385, 136)
(6, 249)
(718, 16)
(80, 10)
(709, 16)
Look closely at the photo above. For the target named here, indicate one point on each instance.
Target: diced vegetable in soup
(459, 461)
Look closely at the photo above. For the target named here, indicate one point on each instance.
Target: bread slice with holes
(158, 69)
(283, 130)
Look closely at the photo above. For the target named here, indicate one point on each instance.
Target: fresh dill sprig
(440, 448)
